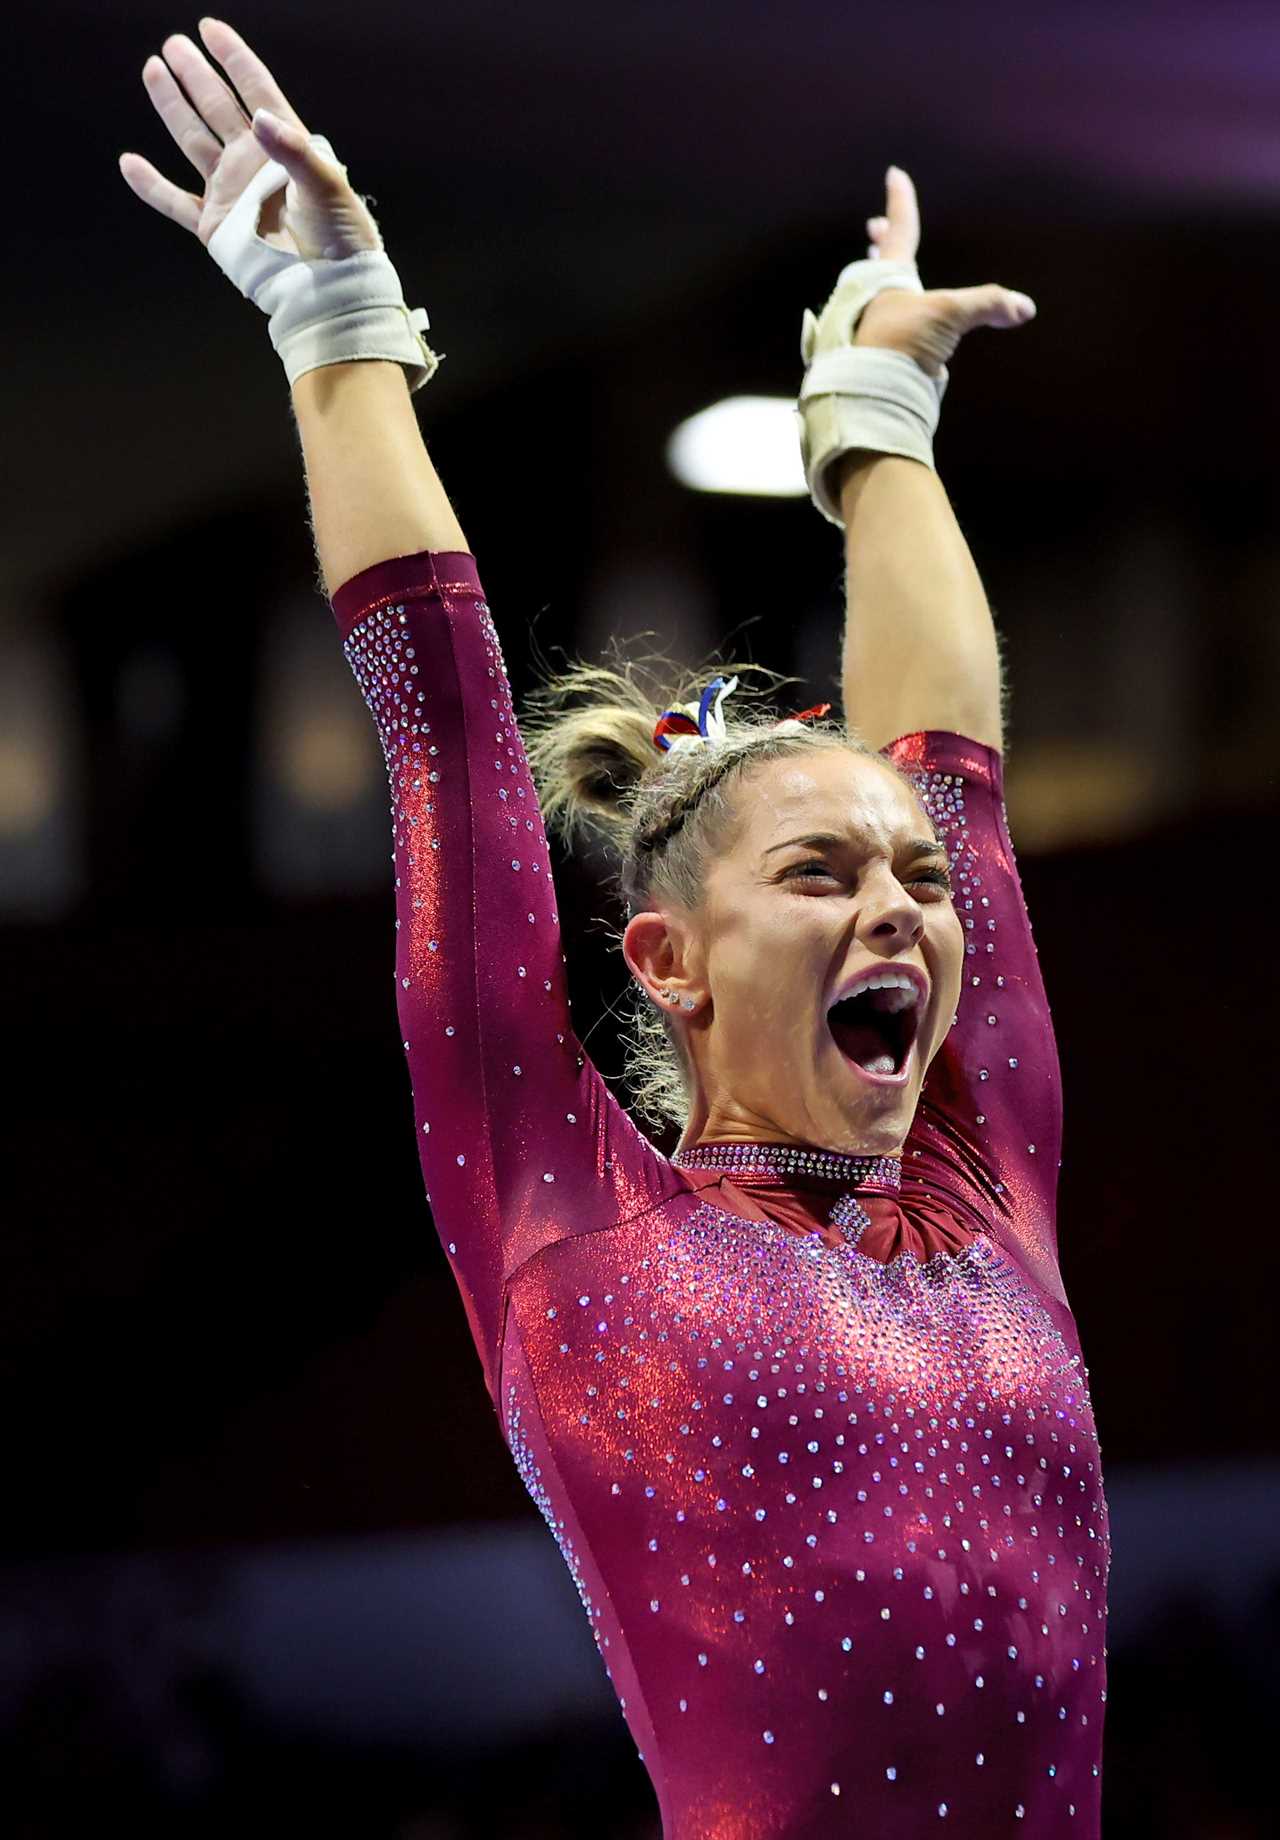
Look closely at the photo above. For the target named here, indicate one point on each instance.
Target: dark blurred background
(270, 1566)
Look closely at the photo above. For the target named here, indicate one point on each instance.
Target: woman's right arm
(521, 1143)
(373, 490)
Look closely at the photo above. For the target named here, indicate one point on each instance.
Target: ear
(656, 948)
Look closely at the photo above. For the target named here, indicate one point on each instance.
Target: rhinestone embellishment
(795, 1159)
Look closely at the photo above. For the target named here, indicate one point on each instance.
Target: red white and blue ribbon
(702, 723)
(689, 724)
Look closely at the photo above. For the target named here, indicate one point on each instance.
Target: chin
(874, 1111)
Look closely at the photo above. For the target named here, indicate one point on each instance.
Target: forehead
(834, 790)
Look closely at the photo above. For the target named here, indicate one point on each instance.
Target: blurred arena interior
(270, 1567)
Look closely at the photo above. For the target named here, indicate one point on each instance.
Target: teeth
(894, 998)
(901, 992)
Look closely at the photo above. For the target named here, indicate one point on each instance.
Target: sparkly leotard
(812, 1432)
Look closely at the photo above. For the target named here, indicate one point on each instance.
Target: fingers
(289, 144)
(189, 132)
(286, 142)
(160, 193)
(247, 71)
(895, 237)
(989, 305)
(216, 103)
(203, 113)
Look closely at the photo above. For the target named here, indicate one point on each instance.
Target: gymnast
(803, 1404)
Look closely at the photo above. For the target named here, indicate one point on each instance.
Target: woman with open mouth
(803, 1404)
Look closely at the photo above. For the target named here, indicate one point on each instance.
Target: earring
(672, 996)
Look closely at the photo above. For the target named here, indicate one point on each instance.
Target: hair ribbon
(702, 723)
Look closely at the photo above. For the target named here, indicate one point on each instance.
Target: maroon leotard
(817, 1447)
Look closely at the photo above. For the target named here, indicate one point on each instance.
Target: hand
(929, 326)
(316, 215)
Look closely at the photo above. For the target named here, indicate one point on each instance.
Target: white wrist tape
(321, 311)
(862, 396)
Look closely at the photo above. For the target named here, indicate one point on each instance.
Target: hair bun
(588, 734)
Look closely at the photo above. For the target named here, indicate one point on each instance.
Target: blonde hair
(588, 734)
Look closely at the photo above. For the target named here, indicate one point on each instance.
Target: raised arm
(920, 647)
(373, 490)
(922, 682)
(520, 1141)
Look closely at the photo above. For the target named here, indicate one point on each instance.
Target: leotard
(815, 1441)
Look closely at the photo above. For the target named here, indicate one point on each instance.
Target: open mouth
(876, 1031)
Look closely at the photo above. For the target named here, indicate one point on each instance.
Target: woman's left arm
(920, 646)
(920, 649)
(922, 671)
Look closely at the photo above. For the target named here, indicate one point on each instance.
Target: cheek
(766, 961)
(950, 940)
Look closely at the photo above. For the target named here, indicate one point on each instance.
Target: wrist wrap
(862, 396)
(322, 311)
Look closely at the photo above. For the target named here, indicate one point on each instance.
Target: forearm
(920, 645)
(373, 490)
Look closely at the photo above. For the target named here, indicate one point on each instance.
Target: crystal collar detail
(794, 1159)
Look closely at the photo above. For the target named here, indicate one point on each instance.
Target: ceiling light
(746, 444)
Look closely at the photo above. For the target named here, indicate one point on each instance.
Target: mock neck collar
(781, 1162)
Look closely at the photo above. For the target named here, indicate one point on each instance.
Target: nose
(889, 915)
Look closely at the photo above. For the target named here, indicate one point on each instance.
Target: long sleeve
(520, 1141)
(988, 1129)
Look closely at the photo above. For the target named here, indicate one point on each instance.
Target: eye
(941, 878)
(813, 867)
(938, 878)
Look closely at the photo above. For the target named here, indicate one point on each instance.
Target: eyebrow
(914, 846)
